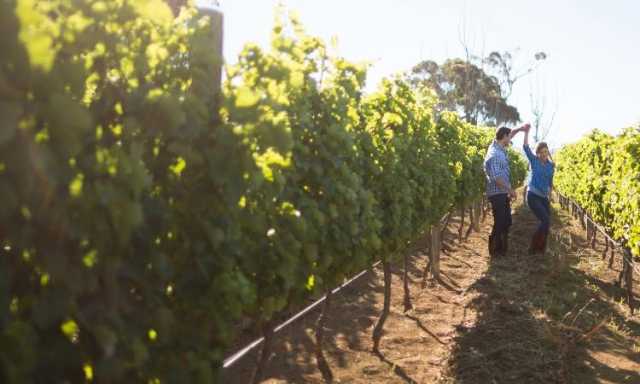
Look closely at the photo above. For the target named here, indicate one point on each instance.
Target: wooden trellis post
(612, 257)
(626, 276)
(606, 248)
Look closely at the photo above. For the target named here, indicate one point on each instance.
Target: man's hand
(524, 128)
(512, 194)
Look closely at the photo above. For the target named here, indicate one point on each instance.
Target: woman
(539, 190)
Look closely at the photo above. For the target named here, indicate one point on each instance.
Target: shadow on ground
(516, 319)
(407, 337)
(533, 313)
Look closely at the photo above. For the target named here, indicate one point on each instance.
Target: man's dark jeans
(501, 208)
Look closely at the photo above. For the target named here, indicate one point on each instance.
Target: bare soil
(553, 318)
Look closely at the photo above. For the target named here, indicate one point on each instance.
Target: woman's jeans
(540, 207)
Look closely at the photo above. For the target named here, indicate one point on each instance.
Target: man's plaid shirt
(496, 164)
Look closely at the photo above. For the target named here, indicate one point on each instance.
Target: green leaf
(246, 97)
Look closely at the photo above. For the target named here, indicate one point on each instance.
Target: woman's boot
(537, 243)
(492, 246)
(543, 242)
(532, 245)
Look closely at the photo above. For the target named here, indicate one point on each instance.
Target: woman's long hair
(540, 146)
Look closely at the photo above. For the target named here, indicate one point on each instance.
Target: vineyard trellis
(625, 278)
(145, 213)
(433, 244)
(598, 179)
(141, 224)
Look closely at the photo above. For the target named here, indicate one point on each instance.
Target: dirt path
(515, 320)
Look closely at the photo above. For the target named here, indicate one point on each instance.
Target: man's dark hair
(502, 132)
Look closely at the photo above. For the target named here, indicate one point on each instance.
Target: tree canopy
(477, 88)
(466, 88)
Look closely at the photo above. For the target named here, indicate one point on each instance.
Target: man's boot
(504, 246)
(492, 246)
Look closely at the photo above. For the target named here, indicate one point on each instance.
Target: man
(499, 191)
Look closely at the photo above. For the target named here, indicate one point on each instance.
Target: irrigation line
(625, 257)
(228, 362)
(241, 353)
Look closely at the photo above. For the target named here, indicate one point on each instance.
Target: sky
(591, 78)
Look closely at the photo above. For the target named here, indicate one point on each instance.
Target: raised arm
(514, 132)
(525, 145)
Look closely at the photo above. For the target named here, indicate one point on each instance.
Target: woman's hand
(526, 129)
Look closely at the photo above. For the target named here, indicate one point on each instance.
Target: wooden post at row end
(210, 8)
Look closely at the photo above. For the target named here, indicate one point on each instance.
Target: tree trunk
(476, 217)
(267, 333)
(629, 279)
(611, 258)
(623, 273)
(427, 268)
(377, 330)
(471, 223)
(590, 229)
(435, 252)
(407, 295)
(445, 225)
(606, 249)
(484, 208)
(323, 366)
(460, 229)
